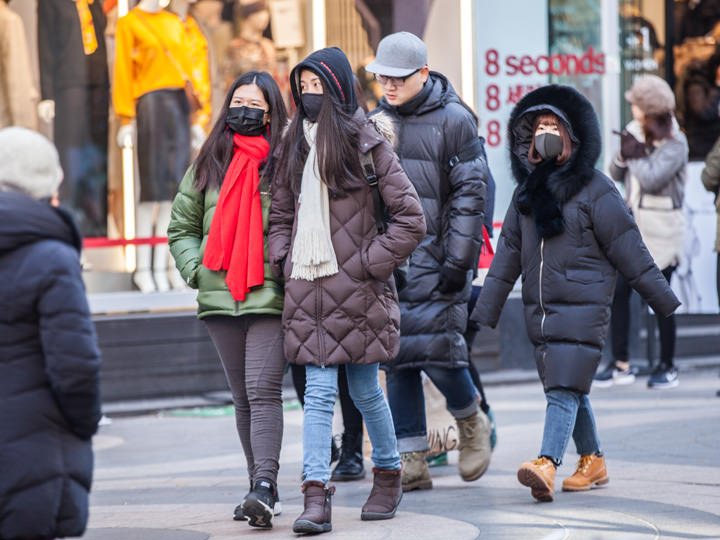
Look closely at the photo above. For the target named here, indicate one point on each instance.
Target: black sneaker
(238, 513)
(261, 504)
(614, 375)
(663, 377)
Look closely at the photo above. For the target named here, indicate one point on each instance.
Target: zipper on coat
(542, 264)
(318, 311)
(237, 307)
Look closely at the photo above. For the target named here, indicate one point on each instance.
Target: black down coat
(49, 374)
(431, 129)
(568, 280)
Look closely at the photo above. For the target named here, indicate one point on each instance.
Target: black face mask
(312, 103)
(248, 121)
(548, 145)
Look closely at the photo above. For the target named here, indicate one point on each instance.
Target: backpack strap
(368, 167)
(469, 152)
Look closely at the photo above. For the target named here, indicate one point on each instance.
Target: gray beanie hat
(652, 94)
(29, 163)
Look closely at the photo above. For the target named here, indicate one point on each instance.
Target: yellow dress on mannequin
(157, 53)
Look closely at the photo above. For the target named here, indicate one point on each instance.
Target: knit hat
(333, 67)
(29, 163)
(652, 94)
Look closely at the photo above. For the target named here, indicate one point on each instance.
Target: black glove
(451, 279)
(630, 147)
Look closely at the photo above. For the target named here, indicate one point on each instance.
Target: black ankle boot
(334, 451)
(350, 467)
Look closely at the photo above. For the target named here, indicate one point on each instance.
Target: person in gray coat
(651, 164)
(439, 149)
(566, 232)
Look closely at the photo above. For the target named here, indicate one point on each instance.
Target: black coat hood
(578, 114)
(333, 67)
(24, 220)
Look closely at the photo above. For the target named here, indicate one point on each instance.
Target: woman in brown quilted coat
(341, 304)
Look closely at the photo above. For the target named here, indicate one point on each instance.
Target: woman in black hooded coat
(566, 232)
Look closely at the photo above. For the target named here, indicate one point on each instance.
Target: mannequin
(74, 84)
(18, 96)
(150, 88)
(220, 33)
(250, 50)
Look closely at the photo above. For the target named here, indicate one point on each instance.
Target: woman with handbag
(341, 304)
(218, 237)
(652, 164)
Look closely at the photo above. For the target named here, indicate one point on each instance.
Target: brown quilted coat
(352, 316)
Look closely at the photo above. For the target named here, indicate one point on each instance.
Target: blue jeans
(568, 414)
(407, 401)
(320, 392)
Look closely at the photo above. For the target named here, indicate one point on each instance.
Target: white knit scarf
(313, 255)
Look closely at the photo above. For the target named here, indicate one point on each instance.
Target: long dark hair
(337, 148)
(657, 127)
(217, 151)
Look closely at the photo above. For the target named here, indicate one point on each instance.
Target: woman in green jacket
(218, 237)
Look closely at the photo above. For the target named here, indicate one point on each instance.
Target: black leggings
(620, 323)
(352, 418)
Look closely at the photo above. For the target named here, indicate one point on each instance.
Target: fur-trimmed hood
(579, 117)
(383, 124)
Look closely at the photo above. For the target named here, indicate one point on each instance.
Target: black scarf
(534, 198)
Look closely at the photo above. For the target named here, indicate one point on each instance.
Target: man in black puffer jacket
(49, 360)
(438, 146)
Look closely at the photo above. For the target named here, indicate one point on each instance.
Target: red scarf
(235, 241)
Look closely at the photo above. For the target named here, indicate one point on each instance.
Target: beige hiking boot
(475, 450)
(590, 472)
(539, 476)
(415, 474)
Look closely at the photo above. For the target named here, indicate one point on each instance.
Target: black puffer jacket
(431, 129)
(568, 279)
(49, 374)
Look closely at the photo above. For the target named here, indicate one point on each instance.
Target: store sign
(511, 60)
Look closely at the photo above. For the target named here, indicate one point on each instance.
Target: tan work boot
(475, 450)
(590, 472)
(415, 474)
(539, 475)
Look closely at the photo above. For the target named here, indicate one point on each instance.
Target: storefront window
(575, 41)
(697, 71)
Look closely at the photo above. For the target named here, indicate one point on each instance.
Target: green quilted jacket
(192, 214)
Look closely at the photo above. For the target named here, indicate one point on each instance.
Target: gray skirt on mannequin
(163, 143)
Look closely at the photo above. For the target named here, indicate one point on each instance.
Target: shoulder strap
(368, 167)
(469, 152)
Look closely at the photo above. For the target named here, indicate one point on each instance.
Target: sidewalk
(168, 477)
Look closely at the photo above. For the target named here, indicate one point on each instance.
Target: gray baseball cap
(399, 55)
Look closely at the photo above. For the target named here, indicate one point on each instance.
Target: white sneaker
(612, 375)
